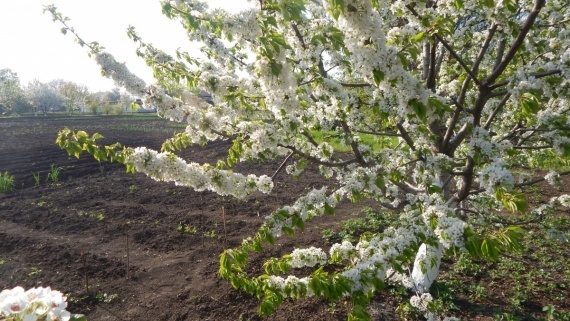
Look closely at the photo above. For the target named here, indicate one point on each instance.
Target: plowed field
(75, 231)
(124, 247)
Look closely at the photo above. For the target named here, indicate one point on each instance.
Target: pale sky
(32, 45)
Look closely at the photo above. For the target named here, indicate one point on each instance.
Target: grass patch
(546, 160)
(533, 284)
(6, 183)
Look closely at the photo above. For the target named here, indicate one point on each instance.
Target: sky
(32, 45)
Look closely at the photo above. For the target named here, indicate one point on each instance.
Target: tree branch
(496, 111)
(538, 180)
(431, 78)
(344, 84)
(527, 183)
(500, 53)
(353, 144)
(406, 136)
(449, 49)
(449, 131)
(282, 165)
(377, 133)
(538, 4)
(477, 62)
(310, 138)
(463, 193)
(318, 161)
(536, 75)
(299, 35)
(533, 147)
(406, 187)
(454, 143)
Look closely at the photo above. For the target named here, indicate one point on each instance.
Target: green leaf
(271, 21)
(276, 68)
(378, 76)
(434, 189)
(336, 8)
(419, 36)
(329, 209)
(439, 107)
(513, 201)
(78, 317)
(529, 103)
(292, 9)
(419, 108)
(287, 230)
(379, 182)
(279, 40)
(511, 5)
(489, 249)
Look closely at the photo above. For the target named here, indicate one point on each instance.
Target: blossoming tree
(456, 94)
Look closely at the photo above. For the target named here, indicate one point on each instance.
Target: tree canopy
(455, 95)
(12, 97)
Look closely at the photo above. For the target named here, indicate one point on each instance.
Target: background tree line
(58, 96)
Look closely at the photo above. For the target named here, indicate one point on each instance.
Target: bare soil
(86, 227)
(125, 247)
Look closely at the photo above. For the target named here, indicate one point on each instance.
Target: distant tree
(114, 96)
(12, 97)
(74, 94)
(93, 101)
(125, 102)
(44, 97)
(107, 108)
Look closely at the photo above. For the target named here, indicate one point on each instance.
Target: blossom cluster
(290, 282)
(120, 73)
(449, 228)
(307, 257)
(36, 304)
(496, 174)
(443, 138)
(553, 178)
(171, 168)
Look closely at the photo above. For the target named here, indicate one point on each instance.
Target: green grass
(6, 183)
(533, 284)
(546, 160)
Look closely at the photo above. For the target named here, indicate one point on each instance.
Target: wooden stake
(85, 272)
(224, 219)
(128, 256)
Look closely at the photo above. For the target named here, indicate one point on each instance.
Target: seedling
(211, 234)
(36, 178)
(53, 174)
(185, 228)
(35, 272)
(6, 182)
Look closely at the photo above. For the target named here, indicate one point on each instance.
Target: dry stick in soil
(203, 232)
(85, 272)
(224, 220)
(128, 256)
